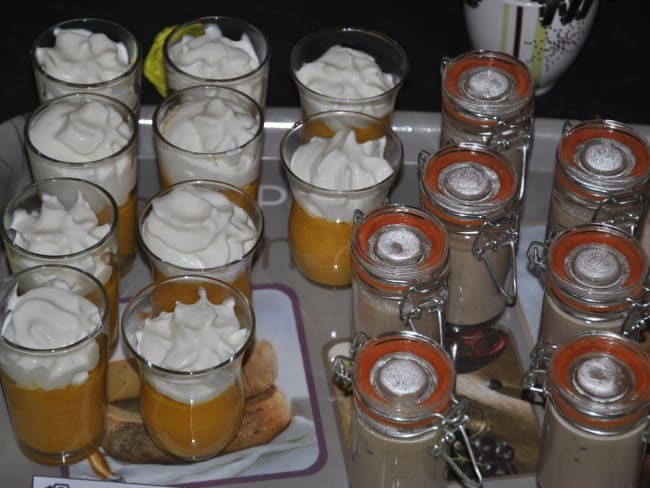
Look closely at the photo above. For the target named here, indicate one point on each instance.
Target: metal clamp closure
(516, 134)
(444, 62)
(454, 419)
(342, 365)
(511, 134)
(430, 297)
(500, 232)
(636, 320)
(623, 211)
(540, 359)
(423, 158)
(537, 254)
(646, 433)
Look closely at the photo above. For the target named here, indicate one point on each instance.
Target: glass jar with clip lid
(602, 174)
(596, 415)
(400, 257)
(595, 279)
(473, 190)
(405, 416)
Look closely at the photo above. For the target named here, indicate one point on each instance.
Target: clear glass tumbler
(54, 361)
(88, 55)
(348, 68)
(193, 407)
(322, 210)
(218, 50)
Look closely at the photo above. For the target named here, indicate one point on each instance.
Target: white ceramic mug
(546, 35)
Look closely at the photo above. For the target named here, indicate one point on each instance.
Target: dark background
(610, 79)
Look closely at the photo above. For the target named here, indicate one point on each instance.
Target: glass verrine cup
(202, 227)
(91, 137)
(54, 360)
(191, 401)
(218, 50)
(88, 55)
(348, 68)
(65, 221)
(209, 132)
(319, 154)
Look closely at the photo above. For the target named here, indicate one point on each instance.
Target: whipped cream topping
(214, 56)
(85, 133)
(198, 228)
(79, 133)
(340, 163)
(55, 231)
(194, 337)
(346, 74)
(209, 125)
(343, 72)
(83, 57)
(210, 129)
(45, 318)
(211, 56)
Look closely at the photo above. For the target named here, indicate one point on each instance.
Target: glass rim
(258, 215)
(207, 20)
(134, 64)
(389, 133)
(402, 73)
(246, 99)
(85, 97)
(4, 231)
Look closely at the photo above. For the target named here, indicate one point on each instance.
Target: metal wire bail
(430, 297)
(636, 319)
(342, 365)
(454, 419)
(540, 358)
(623, 211)
(500, 232)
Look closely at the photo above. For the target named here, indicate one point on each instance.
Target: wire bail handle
(636, 320)
(429, 297)
(623, 211)
(495, 233)
(540, 359)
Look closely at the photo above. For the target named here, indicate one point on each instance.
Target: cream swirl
(75, 133)
(198, 228)
(83, 57)
(340, 163)
(194, 337)
(209, 125)
(213, 56)
(45, 318)
(55, 231)
(344, 72)
(219, 139)
(88, 132)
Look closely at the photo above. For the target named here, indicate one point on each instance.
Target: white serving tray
(322, 314)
